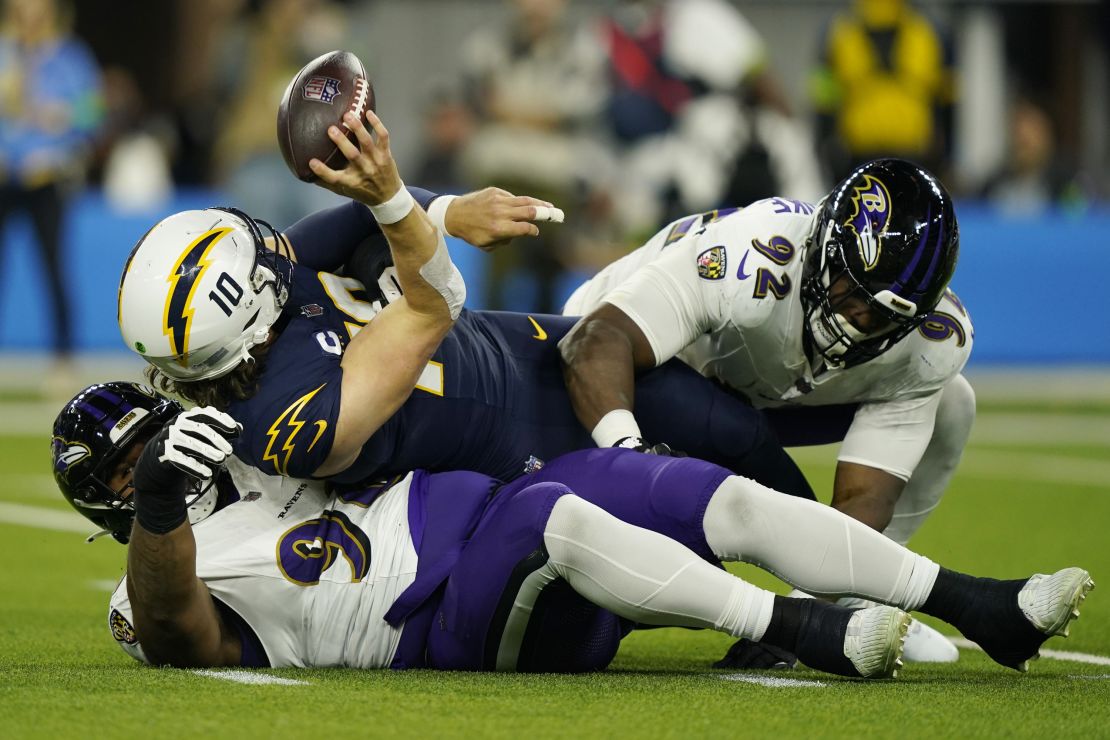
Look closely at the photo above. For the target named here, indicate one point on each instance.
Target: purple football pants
(462, 621)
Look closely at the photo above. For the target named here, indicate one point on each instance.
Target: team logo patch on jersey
(252, 496)
(121, 628)
(321, 89)
(312, 310)
(869, 219)
(712, 263)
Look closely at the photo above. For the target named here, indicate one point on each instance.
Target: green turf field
(1033, 494)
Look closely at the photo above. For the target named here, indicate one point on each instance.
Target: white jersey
(311, 573)
(722, 291)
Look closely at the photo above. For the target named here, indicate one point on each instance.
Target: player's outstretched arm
(175, 617)
(491, 218)
(325, 240)
(488, 219)
(424, 268)
(382, 364)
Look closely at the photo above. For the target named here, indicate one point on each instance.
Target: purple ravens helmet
(91, 434)
(887, 236)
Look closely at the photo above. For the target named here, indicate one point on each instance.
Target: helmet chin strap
(829, 344)
(96, 535)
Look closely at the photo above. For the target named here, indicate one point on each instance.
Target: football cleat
(875, 640)
(1051, 602)
(864, 643)
(923, 643)
(1012, 630)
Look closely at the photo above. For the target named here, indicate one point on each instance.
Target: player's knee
(571, 515)
(737, 507)
(573, 521)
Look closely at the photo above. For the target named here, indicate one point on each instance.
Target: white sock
(647, 577)
(813, 547)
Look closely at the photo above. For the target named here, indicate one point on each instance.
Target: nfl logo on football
(321, 89)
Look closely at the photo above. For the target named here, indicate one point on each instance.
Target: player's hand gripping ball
(319, 95)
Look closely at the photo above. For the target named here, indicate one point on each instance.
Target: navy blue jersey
(494, 374)
(491, 397)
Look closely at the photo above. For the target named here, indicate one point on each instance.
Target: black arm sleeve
(324, 240)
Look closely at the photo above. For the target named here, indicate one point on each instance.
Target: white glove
(196, 441)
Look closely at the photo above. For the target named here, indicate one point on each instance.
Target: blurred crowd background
(626, 113)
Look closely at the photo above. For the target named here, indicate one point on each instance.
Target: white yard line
(1074, 657)
(40, 484)
(1036, 429)
(772, 682)
(1000, 465)
(777, 682)
(27, 418)
(249, 677)
(996, 464)
(103, 584)
(42, 518)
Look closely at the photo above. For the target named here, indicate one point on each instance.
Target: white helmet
(199, 290)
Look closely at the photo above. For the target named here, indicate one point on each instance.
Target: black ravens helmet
(91, 433)
(886, 236)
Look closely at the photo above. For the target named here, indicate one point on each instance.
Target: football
(317, 97)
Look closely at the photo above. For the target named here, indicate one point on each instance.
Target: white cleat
(923, 643)
(1050, 603)
(926, 645)
(875, 639)
(1011, 630)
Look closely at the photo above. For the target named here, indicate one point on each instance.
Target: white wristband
(615, 426)
(437, 212)
(394, 209)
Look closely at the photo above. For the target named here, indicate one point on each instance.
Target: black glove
(193, 445)
(749, 655)
(635, 443)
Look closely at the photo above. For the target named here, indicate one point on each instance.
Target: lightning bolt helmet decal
(186, 275)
